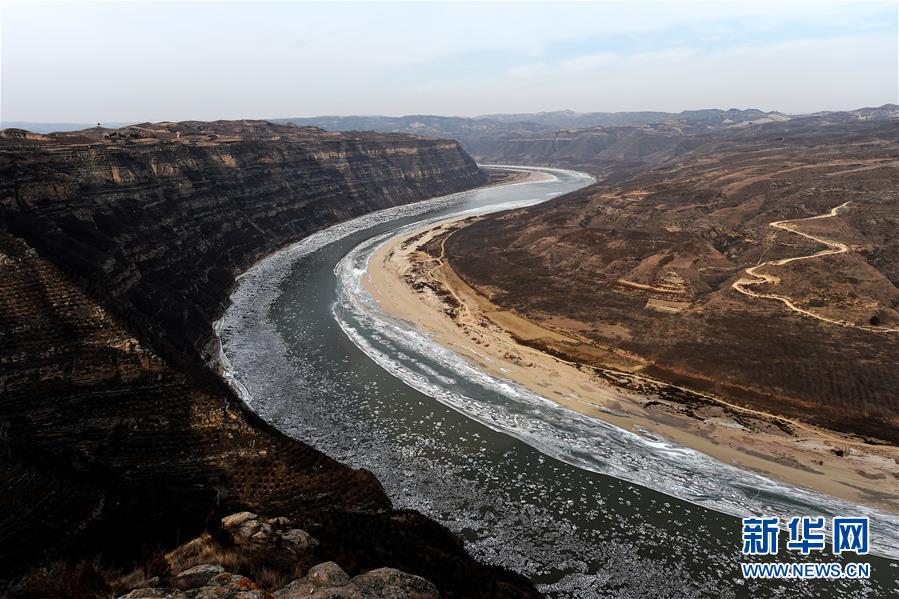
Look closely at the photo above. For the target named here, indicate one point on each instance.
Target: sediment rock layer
(117, 250)
(156, 220)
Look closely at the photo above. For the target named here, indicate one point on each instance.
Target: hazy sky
(89, 62)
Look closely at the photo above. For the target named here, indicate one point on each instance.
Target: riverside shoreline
(213, 352)
(419, 287)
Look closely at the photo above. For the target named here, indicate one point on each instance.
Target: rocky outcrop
(117, 250)
(324, 581)
(328, 580)
(266, 552)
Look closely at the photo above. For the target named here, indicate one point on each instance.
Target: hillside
(609, 144)
(651, 270)
(117, 249)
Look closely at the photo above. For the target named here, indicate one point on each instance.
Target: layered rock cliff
(157, 219)
(117, 250)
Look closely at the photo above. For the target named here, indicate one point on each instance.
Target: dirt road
(833, 247)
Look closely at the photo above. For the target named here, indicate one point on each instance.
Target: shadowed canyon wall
(117, 250)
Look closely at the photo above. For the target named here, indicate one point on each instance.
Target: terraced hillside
(649, 270)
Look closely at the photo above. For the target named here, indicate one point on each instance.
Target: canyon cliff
(118, 248)
(155, 220)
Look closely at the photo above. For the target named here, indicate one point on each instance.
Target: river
(582, 508)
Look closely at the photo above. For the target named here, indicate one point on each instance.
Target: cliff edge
(118, 248)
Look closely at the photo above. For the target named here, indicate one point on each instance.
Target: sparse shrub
(65, 581)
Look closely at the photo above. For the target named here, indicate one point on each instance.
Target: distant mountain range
(465, 129)
(461, 127)
(37, 127)
(623, 150)
(602, 143)
(526, 122)
(598, 142)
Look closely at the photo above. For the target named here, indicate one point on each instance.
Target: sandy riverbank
(506, 176)
(422, 289)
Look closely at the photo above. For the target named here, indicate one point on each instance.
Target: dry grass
(560, 261)
(264, 564)
(66, 581)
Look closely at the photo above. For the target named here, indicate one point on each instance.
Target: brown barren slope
(646, 269)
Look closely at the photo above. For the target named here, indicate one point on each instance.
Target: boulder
(231, 522)
(228, 586)
(329, 581)
(248, 528)
(299, 542)
(155, 593)
(327, 574)
(395, 584)
(197, 576)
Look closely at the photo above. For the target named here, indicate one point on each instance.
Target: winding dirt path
(833, 247)
(473, 320)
